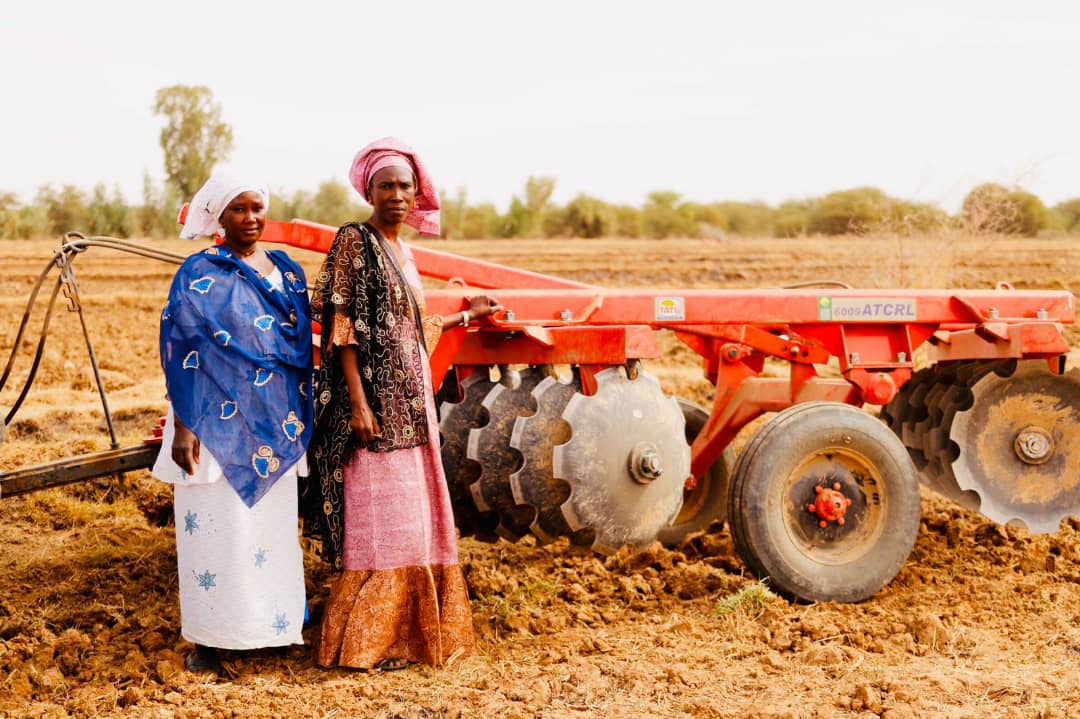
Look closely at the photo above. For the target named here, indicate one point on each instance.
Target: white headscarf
(211, 200)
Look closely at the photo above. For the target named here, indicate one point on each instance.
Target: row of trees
(987, 208)
(98, 212)
(194, 139)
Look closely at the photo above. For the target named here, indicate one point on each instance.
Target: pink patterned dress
(401, 593)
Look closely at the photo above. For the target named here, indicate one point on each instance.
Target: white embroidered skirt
(240, 568)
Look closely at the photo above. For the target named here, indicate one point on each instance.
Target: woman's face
(392, 194)
(244, 218)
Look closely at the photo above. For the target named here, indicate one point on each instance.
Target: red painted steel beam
(431, 263)
(483, 275)
(765, 307)
(1022, 339)
(1023, 323)
(564, 345)
(300, 233)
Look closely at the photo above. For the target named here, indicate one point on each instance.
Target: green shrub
(663, 216)
(628, 221)
(747, 218)
(792, 218)
(108, 214)
(1066, 215)
(990, 207)
(857, 211)
(583, 216)
(916, 216)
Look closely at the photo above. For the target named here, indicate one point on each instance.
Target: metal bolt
(646, 464)
(794, 350)
(1033, 445)
(1042, 314)
(565, 315)
(509, 315)
(901, 357)
(855, 359)
(993, 313)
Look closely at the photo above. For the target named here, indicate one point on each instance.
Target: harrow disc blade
(919, 435)
(1019, 446)
(906, 410)
(535, 437)
(940, 450)
(489, 446)
(922, 413)
(902, 406)
(627, 460)
(457, 419)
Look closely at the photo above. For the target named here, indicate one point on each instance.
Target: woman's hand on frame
(483, 306)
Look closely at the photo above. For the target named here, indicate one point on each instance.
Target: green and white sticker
(867, 309)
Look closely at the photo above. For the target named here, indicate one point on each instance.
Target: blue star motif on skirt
(260, 558)
(280, 624)
(206, 580)
(191, 522)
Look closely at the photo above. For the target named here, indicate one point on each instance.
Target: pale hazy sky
(715, 100)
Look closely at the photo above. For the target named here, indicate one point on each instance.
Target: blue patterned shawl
(237, 362)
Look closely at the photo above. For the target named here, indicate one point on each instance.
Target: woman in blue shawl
(236, 352)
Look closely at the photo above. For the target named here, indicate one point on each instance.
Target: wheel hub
(1034, 445)
(830, 505)
(831, 485)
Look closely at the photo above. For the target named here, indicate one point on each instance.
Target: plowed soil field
(983, 621)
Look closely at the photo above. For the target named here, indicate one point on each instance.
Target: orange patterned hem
(432, 331)
(341, 333)
(421, 614)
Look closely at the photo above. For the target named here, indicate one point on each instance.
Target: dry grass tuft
(528, 596)
(60, 510)
(750, 601)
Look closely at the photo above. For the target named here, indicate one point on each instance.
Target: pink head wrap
(390, 152)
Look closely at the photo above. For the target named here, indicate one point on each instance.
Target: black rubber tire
(707, 504)
(777, 537)
(735, 499)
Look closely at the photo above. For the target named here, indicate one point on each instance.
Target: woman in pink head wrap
(391, 152)
(377, 494)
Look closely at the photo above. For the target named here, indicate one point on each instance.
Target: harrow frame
(557, 321)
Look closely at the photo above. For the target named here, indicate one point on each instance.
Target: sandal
(204, 660)
(391, 664)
